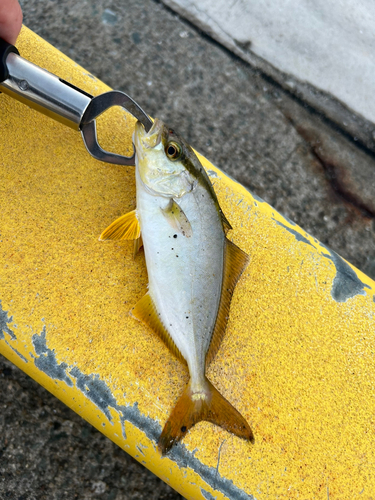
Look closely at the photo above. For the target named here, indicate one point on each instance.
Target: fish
(192, 271)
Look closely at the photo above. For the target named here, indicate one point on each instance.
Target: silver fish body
(192, 269)
(185, 273)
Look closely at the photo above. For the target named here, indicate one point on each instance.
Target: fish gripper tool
(66, 103)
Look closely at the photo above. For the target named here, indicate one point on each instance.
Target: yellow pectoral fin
(145, 311)
(126, 227)
(235, 261)
(177, 218)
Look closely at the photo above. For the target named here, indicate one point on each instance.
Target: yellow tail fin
(208, 405)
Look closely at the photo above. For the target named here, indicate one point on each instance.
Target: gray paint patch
(212, 173)
(4, 321)
(255, 196)
(100, 394)
(295, 233)
(18, 353)
(46, 362)
(346, 283)
(95, 390)
(290, 221)
(4, 328)
(207, 495)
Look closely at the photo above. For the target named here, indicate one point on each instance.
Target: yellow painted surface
(298, 364)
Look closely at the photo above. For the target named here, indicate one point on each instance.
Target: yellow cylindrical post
(297, 359)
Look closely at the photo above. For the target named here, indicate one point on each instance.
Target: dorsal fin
(226, 223)
(235, 261)
(126, 227)
(145, 311)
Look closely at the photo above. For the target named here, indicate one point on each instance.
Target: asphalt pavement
(286, 152)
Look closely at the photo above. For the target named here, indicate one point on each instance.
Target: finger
(10, 20)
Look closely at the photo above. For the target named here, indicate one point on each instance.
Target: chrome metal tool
(64, 102)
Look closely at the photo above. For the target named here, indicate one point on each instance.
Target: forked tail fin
(207, 404)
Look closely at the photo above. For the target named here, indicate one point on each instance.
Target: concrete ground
(286, 152)
(304, 46)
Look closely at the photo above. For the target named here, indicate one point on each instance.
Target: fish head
(162, 160)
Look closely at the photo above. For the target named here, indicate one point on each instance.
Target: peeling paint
(212, 173)
(140, 451)
(296, 234)
(18, 353)
(292, 223)
(255, 196)
(218, 461)
(346, 283)
(100, 394)
(4, 321)
(95, 390)
(207, 495)
(46, 362)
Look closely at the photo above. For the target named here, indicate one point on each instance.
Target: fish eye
(173, 151)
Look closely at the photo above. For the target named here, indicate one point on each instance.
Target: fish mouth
(143, 140)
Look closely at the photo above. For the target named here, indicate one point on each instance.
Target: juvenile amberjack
(192, 270)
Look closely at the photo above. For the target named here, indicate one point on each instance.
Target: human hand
(10, 20)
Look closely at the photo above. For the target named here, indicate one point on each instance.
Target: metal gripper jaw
(64, 102)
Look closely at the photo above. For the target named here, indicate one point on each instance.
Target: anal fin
(126, 227)
(146, 312)
(235, 261)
